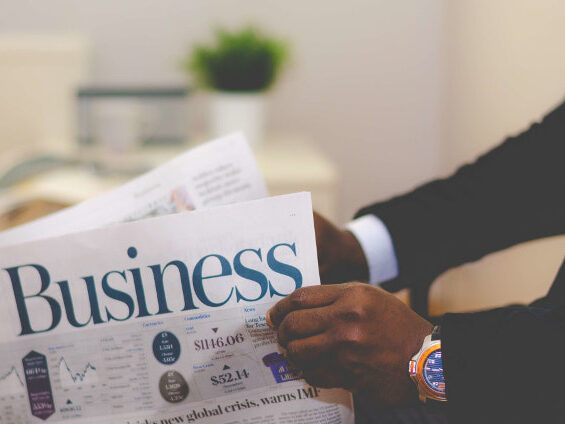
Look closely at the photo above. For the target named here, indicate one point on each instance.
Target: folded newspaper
(161, 320)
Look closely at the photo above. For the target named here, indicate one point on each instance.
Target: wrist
(426, 370)
(413, 346)
(425, 329)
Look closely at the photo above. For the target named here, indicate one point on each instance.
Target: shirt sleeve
(376, 242)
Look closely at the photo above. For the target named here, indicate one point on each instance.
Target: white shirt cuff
(375, 240)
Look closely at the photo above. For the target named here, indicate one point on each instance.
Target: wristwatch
(426, 370)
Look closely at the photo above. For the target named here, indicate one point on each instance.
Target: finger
(329, 376)
(303, 323)
(303, 298)
(323, 377)
(311, 352)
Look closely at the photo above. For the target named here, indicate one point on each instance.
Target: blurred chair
(27, 212)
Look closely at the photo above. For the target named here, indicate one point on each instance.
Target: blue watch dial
(433, 372)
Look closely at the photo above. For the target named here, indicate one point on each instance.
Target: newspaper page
(161, 321)
(216, 173)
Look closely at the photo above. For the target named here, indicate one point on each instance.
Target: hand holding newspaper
(160, 320)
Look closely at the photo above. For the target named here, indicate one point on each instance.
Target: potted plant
(239, 67)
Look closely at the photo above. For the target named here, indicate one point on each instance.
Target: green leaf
(244, 60)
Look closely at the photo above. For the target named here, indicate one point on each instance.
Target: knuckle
(351, 336)
(355, 336)
(360, 290)
(298, 298)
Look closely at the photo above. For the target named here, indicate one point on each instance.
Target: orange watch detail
(431, 350)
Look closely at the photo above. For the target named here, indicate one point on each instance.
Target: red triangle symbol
(215, 330)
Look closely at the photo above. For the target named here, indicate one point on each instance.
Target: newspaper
(161, 321)
(216, 173)
(160, 343)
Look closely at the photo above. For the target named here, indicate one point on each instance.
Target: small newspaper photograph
(112, 313)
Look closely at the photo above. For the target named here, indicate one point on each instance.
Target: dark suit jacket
(506, 364)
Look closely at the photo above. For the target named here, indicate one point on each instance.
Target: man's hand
(353, 336)
(340, 256)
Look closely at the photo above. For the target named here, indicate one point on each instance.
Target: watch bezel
(417, 373)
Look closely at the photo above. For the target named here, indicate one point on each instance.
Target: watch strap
(436, 333)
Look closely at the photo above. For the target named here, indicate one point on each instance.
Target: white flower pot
(230, 112)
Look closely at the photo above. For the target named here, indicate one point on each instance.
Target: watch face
(433, 372)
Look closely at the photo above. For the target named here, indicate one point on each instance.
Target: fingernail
(268, 319)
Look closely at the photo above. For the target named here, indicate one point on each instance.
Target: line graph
(11, 381)
(70, 378)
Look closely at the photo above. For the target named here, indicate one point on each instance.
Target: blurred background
(374, 98)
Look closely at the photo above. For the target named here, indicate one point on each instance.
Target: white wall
(506, 69)
(365, 82)
(394, 91)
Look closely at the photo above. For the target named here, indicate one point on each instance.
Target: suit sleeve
(505, 365)
(512, 194)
